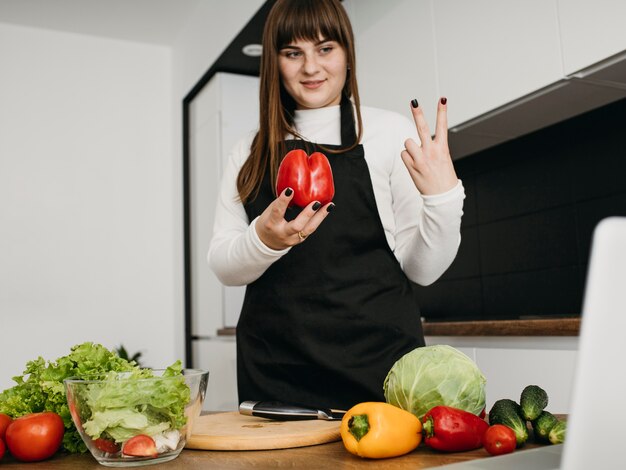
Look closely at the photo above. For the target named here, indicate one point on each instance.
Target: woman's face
(313, 73)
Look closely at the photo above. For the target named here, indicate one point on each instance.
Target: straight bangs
(308, 20)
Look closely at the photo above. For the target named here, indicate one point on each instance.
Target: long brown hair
(290, 20)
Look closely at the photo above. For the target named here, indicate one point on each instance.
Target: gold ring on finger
(302, 236)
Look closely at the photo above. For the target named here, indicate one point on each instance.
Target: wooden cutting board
(234, 431)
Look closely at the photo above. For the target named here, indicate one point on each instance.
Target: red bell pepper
(453, 430)
(310, 177)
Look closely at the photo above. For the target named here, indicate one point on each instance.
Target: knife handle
(277, 411)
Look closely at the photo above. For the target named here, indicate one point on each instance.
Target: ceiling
(149, 21)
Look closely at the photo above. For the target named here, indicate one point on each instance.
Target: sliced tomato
(499, 439)
(140, 446)
(106, 445)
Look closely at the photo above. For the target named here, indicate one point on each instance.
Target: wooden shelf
(534, 327)
(527, 327)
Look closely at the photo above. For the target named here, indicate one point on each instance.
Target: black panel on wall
(531, 207)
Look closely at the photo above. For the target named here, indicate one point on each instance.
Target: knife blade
(287, 412)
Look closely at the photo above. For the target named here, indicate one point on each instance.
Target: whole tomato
(2, 449)
(36, 436)
(5, 420)
(499, 439)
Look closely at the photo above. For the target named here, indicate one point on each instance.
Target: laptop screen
(594, 436)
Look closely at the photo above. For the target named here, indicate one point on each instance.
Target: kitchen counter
(323, 456)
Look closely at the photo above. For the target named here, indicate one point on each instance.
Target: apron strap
(348, 132)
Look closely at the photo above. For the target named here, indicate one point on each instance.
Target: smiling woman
(330, 294)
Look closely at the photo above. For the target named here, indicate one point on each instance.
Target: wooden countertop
(321, 456)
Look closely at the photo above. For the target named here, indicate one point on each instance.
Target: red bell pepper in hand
(453, 430)
(310, 177)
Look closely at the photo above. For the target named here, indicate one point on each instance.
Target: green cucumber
(533, 401)
(543, 425)
(509, 413)
(557, 433)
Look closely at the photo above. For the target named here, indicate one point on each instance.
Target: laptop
(594, 436)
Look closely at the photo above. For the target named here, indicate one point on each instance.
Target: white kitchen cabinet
(511, 363)
(224, 111)
(491, 52)
(591, 31)
(207, 293)
(395, 54)
(218, 356)
(508, 371)
(507, 67)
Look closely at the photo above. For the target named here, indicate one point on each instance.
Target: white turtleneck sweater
(422, 231)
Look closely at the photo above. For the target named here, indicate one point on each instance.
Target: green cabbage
(435, 375)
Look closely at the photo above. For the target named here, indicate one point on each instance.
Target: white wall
(207, 33)
(86, 219)
(91, 244)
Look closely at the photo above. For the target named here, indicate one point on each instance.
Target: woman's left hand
(430, 164)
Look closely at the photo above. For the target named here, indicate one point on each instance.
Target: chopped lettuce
(135, 404)
(122, 424)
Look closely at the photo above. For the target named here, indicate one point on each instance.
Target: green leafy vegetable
(435, 375)
(137, 403)
(40, 387)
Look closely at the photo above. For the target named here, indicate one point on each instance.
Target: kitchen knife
(287, 412)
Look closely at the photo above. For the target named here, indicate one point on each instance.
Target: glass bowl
(123, 416)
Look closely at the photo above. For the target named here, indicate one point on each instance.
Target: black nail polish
(316, 205)
(444, 100)
(330, 208)
(414, 103)
(288, 192)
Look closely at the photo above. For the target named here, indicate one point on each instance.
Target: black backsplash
(531, 207)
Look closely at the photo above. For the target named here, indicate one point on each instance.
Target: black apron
(325, 323)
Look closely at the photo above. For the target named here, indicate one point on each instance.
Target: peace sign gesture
(430, 164)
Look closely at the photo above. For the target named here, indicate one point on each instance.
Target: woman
(329, 305)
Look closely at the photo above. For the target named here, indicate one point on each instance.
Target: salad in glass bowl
(139, 417)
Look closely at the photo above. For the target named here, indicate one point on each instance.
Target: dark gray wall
(530, 210)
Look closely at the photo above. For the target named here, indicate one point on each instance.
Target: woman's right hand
(277, 233)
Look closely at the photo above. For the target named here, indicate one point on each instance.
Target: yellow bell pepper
(378, 430)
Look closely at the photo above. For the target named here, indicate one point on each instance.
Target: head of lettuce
(435, 375)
